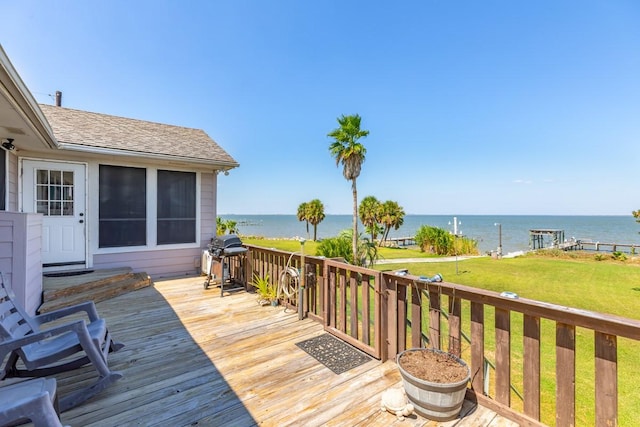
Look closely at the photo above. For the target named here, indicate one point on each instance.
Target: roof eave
(24, 103)
(216, 164)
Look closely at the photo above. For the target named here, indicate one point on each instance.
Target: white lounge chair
(33, 400)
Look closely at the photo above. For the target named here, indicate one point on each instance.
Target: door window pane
(176, 207)
(123, 206)
(51, 190)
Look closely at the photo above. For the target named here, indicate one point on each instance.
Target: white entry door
(57, 190)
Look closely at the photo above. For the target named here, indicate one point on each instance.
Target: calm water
(515, 228)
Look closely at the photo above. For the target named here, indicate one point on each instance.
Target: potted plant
(435, 382)
(267, 293)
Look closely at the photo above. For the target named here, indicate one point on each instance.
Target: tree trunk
(315, 232)
(308, 230)
(354, 240)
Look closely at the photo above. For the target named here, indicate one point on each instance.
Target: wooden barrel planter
(439, 397)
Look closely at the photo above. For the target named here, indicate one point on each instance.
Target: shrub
(336, 247)
(440, 242)
(340, 247)
(619, 256)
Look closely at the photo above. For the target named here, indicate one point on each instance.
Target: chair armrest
(76, 326)
(79, 327)
(88, 307)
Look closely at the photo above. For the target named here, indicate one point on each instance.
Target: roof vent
(58, 98)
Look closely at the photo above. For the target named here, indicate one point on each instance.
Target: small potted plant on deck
(435, 382)
(267, 292)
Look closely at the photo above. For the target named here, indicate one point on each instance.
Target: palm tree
(221, 226)
(392, 217)
(302, 215)
(370, 214)
(347, 150)
(315, 215)
(232, 226)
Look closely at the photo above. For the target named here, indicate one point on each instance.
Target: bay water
(513, 229)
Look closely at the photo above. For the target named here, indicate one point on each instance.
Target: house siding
(207, 207)
(12, 184)
(20, 256)
(157, 264)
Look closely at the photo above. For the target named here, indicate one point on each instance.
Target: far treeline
(379, 218)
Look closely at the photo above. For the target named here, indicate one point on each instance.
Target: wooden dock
(609, 247)
(401, 241)
(193, 358)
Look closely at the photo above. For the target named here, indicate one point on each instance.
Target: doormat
(334, 353)
(68, 273)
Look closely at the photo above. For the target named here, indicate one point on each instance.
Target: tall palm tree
(370, 214)
(315, 215)
(302, 215)
(347, 150)
(392, 217)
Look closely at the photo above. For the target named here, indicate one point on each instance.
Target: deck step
(80, 281)
(97, 289)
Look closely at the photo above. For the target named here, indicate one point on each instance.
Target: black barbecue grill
(221, 249)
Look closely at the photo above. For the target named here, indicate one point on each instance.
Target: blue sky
(491, 107)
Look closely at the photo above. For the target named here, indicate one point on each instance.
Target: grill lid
(225, 241)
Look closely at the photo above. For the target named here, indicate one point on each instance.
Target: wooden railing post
(353, 312)
(382, 313)
(503, 356)
(477, 347)
(416, 317)
(606, 366)
(401, 307)
(434, 319)
(325, 294)
(455, 311)
(565, 375)
(531, 366)
(392, 316)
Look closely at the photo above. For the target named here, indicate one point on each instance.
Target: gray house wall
(20, 256)
(208, 213)
(170, 262)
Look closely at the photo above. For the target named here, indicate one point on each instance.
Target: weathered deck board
(192, 357)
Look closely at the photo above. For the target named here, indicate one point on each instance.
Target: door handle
(81, 221)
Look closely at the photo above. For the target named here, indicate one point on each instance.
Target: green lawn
(310, 248)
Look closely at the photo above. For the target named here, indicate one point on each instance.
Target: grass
(585, 280)
(310, 246)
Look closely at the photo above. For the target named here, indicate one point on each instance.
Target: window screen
(123, 206)
(176, 207)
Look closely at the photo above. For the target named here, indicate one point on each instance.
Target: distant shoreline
(482, 228)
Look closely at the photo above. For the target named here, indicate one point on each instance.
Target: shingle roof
(133, 136)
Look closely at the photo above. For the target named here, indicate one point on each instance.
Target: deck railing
(383, 313)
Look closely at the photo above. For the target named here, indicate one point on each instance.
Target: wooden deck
(193, 358)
